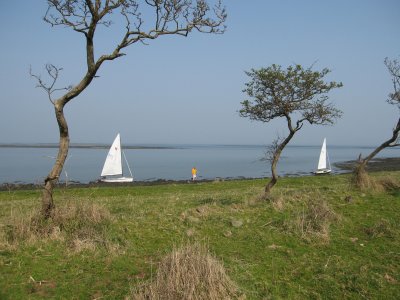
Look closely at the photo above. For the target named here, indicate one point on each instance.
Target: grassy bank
(316, 238)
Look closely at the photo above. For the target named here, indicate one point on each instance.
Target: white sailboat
(324, 166)
(113, 164)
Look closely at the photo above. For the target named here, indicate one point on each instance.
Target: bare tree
(271, 149)
(169, 17)
(394, 71)
(299, 95)
(360, 174)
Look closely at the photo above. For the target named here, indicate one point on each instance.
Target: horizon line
(161, 145)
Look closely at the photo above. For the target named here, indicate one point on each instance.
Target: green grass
(268, 255)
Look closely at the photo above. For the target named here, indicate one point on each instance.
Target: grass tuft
(190, 272)
(313, 221)
(382, 228)
(81, 225)
(364, 182)
(389, 183)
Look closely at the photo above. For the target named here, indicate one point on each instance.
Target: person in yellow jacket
(194, 173)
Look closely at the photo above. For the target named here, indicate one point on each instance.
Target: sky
(178, 90)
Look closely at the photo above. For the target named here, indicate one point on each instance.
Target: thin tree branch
(53, 72)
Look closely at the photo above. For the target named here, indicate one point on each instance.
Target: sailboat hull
(323, 172)
(118, 179)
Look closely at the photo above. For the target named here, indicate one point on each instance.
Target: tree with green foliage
(296, 94)
(163, 17)
(360, 177)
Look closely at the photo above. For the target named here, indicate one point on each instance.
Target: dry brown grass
(80, 224)
(383, 228)
(289, 198)
(389, 183)
(313, 221)
(188, 273)
(278, 203)
(362, 181)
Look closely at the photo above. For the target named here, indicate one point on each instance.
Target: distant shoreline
(80, 146)
(160, 146)
(376, 165)
(75, 184)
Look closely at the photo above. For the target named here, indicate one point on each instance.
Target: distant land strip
(84, 146)
(375, 165)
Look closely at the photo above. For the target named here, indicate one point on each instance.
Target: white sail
(322, 157)
(324, 166)
(113, 163)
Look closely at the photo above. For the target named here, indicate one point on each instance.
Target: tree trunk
(362, 162)
(274, 178)
(360, 175)
(51, 179)
(274, 163)
(54, 175)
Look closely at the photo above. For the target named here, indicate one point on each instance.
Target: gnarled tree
(296, 94)
(360, 177)
(169, 17)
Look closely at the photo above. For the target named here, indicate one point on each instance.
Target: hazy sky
(188, 90)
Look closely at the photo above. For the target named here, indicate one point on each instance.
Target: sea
(31, 164)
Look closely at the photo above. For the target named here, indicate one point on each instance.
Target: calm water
(31, 165)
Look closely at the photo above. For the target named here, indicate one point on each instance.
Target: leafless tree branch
(53, 73)
(393, 67)
(271, 149)
(166, 17)
(172, 17)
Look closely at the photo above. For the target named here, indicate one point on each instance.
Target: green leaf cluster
(276, 92)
